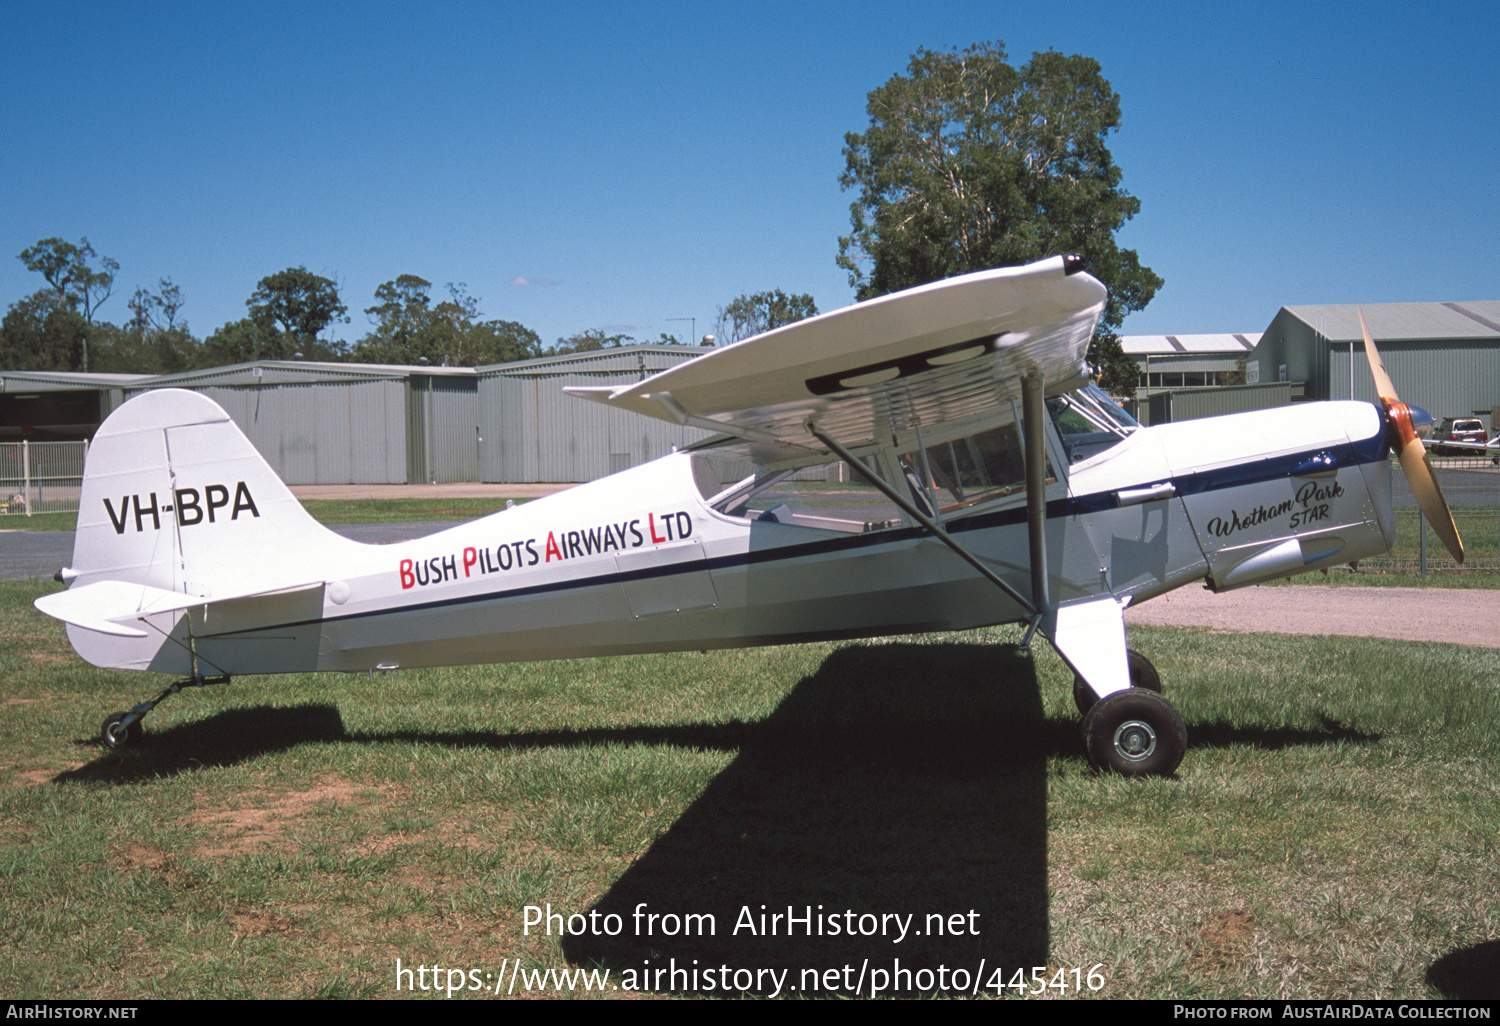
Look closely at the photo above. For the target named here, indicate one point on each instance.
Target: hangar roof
(63, 381)
(277, 372)
(1177, 345)
(1398, 321)
(603, 360)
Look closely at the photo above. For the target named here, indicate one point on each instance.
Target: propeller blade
(1429, 495)
(1414, 460)
(1413, 453)
(1383, 386)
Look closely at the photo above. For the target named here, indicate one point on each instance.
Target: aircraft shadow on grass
(1468, 974)
(898, 779)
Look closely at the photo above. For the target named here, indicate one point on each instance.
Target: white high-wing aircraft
(985, 481)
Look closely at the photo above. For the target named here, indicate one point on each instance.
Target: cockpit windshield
(1089, 422)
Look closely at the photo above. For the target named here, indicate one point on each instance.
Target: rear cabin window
(825, 496)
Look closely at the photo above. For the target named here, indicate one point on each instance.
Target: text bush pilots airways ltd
(559, 545)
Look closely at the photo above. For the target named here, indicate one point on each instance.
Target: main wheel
(1142, 675)
(115, 734)
(1136, 733)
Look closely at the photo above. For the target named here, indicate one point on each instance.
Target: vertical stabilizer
(176, 502)
(175, 496)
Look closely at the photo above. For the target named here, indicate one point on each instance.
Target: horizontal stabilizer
(597, 393)
(101, 605)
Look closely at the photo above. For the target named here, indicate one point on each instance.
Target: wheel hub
(1135, 740)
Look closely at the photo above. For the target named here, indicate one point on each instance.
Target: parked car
(1458, 436)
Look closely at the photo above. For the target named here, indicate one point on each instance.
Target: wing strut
(1034, 419)
(922, 518)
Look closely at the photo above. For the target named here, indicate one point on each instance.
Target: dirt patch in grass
(1226, 939)
(238, 831)
(260, 923)
(38, 777)
(262, 820)
(47, 658)
(144, 856)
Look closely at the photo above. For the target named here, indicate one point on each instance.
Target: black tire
(1142, 675)
(115, 735)
(1135, 733)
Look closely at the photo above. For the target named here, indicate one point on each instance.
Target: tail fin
(175, 497)
(178, 511)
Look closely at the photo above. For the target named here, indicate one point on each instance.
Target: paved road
(1460, 487)
(32, 555)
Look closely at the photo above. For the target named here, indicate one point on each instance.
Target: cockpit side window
(1089, 422)
(972, 470)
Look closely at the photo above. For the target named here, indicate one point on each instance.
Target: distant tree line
(287, 318)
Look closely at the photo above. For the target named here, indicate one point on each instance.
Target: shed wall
(324, 432)
(1197, 403)
(533, 432)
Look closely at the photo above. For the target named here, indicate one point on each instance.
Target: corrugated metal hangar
(337, 423)
(1444, 357)
(58, 406)
(332, 423)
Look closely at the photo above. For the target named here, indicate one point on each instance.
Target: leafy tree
(244, 341)
(153, 341)
(53, 325)
(155, 311)
(410, 328)
(751, 315)
(590, 341)
(40, 333)
(970, 163)
(498, 341)
(292, 308)
(69, 270)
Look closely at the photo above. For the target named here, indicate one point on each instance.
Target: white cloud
(523, 282)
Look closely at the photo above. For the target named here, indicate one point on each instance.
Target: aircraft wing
(948, 351)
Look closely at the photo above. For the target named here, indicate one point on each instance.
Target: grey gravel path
(1461, 617)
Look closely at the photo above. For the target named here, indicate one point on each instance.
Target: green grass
(400, 511)
(39, 522)
(1331, 833)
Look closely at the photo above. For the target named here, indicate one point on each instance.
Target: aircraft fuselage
(641, 562)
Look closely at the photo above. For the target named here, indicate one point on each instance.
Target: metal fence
(1472, 488)
(41, 477)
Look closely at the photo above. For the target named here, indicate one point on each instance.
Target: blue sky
(614, 166)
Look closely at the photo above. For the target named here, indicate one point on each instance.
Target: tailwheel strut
(124, 728)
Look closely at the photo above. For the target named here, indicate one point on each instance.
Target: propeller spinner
(1413, 454)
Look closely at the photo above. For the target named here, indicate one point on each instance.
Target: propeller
(1413, 454)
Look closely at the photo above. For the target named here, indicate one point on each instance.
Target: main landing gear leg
(124, 728)
(1128, 727)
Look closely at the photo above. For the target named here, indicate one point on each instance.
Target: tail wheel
(115, 734)
(1142, 675)
(1135, 733)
